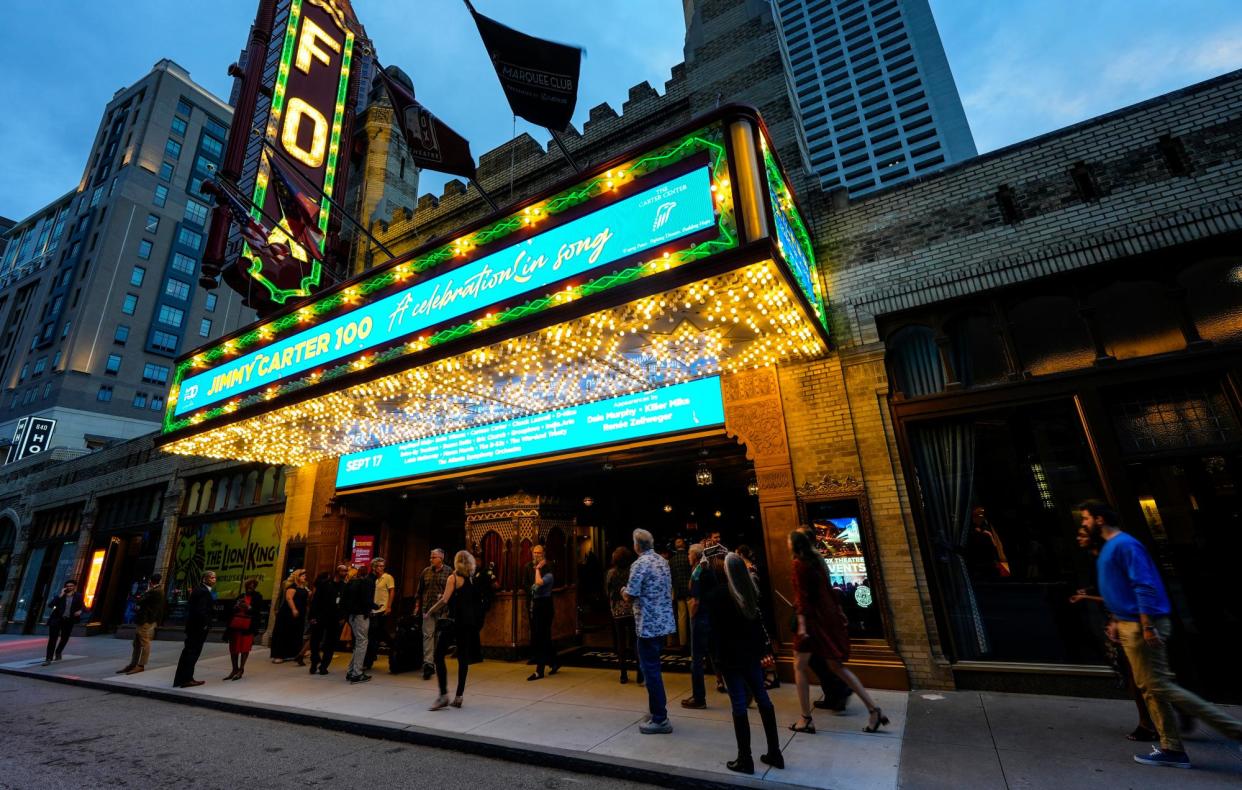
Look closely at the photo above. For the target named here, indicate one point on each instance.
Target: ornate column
(755, 416)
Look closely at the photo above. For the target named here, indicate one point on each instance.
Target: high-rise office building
(98, 290)
(873, 91)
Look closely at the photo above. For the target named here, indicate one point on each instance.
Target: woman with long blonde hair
(291, 619)
(461, 626)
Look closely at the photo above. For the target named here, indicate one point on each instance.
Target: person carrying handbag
(459, 627)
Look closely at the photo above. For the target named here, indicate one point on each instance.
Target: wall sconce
(703, 476)
(752, 487)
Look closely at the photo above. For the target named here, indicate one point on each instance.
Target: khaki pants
(142, 645)
(1154, 678)
(681, 607)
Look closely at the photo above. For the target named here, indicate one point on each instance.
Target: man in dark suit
(197, 623)
(66, 612)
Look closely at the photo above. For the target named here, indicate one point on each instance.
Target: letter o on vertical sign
(294, 115)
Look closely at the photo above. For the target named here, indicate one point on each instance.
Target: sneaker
(659, 728)
(323, 671)
(357, 678)
(1164, 759)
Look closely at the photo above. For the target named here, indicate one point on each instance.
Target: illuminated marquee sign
(792, 239)
(679, 207)
(306, 122)
(673, 409)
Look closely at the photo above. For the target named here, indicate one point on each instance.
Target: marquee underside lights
(743, 319)
(660, 285)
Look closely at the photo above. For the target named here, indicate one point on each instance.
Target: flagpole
(267, 144)
(486, 196)
(556, 137)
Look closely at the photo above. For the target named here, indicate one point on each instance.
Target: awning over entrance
(681, 261)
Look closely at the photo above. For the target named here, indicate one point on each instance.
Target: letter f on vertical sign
(309, 49)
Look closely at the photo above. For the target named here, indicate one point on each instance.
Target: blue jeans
(700, 633)
(649, 659)
(739, 681)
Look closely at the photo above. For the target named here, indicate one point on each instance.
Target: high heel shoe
(441, 702)
(456, 703)
(230, 676)
(878, 720)
(809, 727)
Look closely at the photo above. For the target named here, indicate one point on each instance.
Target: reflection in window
(978, 354)
(1214, 296)
(1173, 417)
(1135, 319)
(915, 362)
(1049, 335)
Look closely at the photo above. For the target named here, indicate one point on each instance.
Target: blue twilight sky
(1023, 67)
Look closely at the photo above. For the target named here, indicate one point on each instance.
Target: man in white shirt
(385, 593)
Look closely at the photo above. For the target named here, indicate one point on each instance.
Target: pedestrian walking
(835, 693)
(650, 588)
(771, 679)
(430, 587)
(147, 614)
(700, 626)
(739, 648)
(1134, 595)
(360, 597)
(679, 566)
(385, 595)
(291, 619)
(540, 581)
(243, 626)
(327, 618)
(821, 632)
(199, 611)
(459, 627)
(1146, 730)
(67, 611)
(622, 610)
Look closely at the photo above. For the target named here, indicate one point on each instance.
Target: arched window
(978, 352)
(1214, 298)
(491, 550)
(204, 501)
(248, 488)
(1050, 335)
(8, 536)
(269, 483)
(222, 494)
(914, 361)
(235, 492)
(1135, 319)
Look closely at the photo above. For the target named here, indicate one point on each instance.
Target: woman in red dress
(821, 632)
(242, 627)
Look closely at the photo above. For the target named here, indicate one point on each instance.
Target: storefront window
(25, 593)
(1136, 319)
(998, 491)
(1050, 335)
(841, 538)
(1214, 296)
(60, 574)
(236, 549)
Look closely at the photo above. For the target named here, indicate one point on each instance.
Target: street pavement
(579, 720)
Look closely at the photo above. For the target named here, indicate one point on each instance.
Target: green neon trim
(705, 140)
(780, 191)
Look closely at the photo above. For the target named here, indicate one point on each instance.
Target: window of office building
(40, 365)
(172, 149)
(153, 223)
(137, 276)
(171, 316)
(204, 165)
(157, 403)
(212, 126)
(140, 400)
(210, 304)
(183, 108)
(164, 341)
(204, 327)
(130, 304)
(189, 238)
(161, 195)
(113, 365)
(182, 263)
(195, 212)
(105, 393)
(155, 374)
(179, 126)
(212, 146)
(177, 289)
(56, 359)
(120, 335)
(144, 249)
(25, 372)
(166, 171)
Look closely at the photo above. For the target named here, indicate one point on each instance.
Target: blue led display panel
(676, 408)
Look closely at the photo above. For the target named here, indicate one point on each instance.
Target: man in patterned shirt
(430, 587)
(651, 589)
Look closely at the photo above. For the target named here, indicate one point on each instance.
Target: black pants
(189, 656)
(623, 640)
(444, 641)
(57, 637)
(379, 630)
(541, 634)
(323, 638)
(834, 688)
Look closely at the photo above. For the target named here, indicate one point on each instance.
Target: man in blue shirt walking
(1134, 594)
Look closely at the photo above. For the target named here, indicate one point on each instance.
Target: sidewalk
(582, 719)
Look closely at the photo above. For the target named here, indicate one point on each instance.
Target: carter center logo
(663, 213)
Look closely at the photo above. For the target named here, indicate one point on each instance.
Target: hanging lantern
(587, 501)
(703, 476)
(752, 487)
(668, 508)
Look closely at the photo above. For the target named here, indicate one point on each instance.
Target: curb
(550, 757)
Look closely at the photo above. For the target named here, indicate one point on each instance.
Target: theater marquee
(678, 262)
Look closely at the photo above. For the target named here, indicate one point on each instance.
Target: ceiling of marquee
(745, 318)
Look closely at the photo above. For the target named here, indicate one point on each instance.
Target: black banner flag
(540, 77)
(432, 143)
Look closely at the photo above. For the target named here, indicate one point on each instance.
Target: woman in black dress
(461, 627)
(291, 620)
(622, 611)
